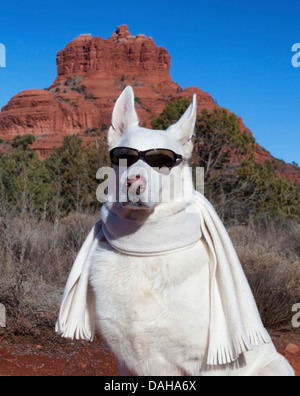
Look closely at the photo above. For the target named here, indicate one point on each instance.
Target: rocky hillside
(91, 73)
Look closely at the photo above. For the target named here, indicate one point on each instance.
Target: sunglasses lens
(118, 154)
(156, 158)
(160, 158)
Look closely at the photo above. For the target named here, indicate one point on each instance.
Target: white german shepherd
(155, 310)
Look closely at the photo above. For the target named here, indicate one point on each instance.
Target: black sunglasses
(156, 158)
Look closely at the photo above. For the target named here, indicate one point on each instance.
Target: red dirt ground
(71, 359)
(80, 358)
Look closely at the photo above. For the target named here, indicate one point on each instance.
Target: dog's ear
(123, 115)
(184, 128)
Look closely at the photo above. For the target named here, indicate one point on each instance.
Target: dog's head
(151, 164)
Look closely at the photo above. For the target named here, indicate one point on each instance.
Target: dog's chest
(150, 303)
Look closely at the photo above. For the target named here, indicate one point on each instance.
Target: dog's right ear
(184, 129)
(123, 116)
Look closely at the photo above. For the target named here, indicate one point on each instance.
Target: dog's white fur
(154, 312)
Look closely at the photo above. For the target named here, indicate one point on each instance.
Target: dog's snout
(138, 183)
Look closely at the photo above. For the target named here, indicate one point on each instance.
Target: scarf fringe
(226, 354)
(259, 337)
(76, 331)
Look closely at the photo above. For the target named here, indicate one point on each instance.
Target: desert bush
(270, 258)
(35, 259)
(63, 183)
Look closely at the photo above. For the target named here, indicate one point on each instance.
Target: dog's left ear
(184, 128)
(123, 116)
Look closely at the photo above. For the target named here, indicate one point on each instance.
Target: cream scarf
(235, 324)
(152, 238)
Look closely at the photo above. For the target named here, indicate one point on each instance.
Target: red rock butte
(91, 74)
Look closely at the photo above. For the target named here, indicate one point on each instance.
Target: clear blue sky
(238, 51)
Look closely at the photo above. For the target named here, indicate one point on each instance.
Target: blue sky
(238, 51)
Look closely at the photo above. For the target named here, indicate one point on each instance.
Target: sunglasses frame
(142, 154)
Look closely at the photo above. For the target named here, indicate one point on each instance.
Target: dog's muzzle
(136, 185)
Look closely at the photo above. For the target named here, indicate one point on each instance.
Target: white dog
(159, 277)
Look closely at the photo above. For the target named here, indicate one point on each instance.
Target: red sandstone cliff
(91, 73)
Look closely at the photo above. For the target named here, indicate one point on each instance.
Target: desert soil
(20, 358)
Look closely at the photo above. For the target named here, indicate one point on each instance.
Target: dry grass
(35, 259)
(270, 258)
